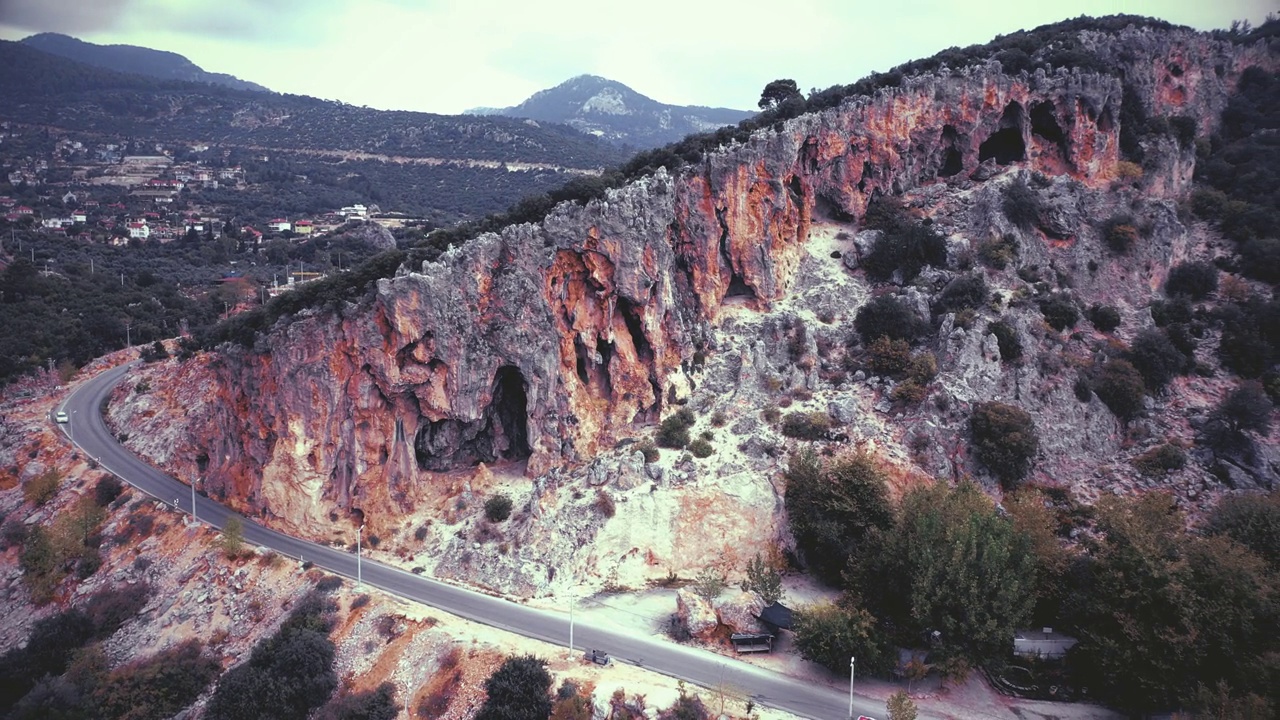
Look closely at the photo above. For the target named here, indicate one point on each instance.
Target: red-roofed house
(304, 227)
(280, 225)
(23, 210)
(139, 230)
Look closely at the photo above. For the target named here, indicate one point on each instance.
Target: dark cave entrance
(635, 327)
(1006, 145)
(502, 432)
(510, 410)
(952, 158)
(738, 287)
(1044, 124)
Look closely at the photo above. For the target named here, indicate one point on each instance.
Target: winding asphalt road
(89, 432)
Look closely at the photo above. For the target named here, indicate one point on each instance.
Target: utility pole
(572, 598)
(359, 532)
(852, 667)
(193, 500)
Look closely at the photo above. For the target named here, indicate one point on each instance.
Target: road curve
(89, 432)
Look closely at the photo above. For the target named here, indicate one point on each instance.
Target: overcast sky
(448, 55)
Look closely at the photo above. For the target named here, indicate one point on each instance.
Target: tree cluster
(288, 674)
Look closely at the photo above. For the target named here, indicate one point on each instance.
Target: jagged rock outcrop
(548, 342)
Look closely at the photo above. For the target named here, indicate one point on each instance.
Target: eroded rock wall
(547, 342)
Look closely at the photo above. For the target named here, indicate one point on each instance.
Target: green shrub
(158, 686)
(1059, 311)
(1252, 520)
(998, 253)
(1168, 312)
(1157, 359)
(700, 448)
(497, 508)
(674, 430)
(889, 357)
(806, 425)
(1160, 460)
(1119, 233)
(835, 507)
(1104, 317)
(965, 292)
(288, 674)
(1008, 340)
(1021, 204)
(1120, 387)
(923, 368)
(106, 490)
(1245, 409)
(518, 690)
(904, 245)
(1193, 279)
(886, 316)
(377, 704)
(1261, 259)
(829, 635)
(1005, 439)
(909, 392)
(42, 488)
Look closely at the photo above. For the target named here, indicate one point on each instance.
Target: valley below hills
(975, 354)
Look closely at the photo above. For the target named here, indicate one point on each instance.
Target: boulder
(696, 613)
(738, 611)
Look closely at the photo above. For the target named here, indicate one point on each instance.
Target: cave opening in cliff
(508, 414)
(635, 327)
(1006, 145)
(952, 158)
(501, 432)
(580, 351)
(830, 209)
(738, 287)
(1044, 124)
(796, 188)
(604, 351)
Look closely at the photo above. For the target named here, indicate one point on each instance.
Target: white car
(61, 417)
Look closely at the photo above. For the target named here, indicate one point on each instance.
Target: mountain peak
(610, 109)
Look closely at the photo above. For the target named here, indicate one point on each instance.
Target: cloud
(65, 16)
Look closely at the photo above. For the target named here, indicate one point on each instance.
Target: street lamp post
(193, 500)
(852, 668)
(359, 532)
(572, 601)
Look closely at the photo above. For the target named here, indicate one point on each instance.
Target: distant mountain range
(42, 88)
(132, 59)
(608, 109)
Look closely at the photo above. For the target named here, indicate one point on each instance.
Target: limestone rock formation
(546, 344)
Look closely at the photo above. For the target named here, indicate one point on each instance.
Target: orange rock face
(545, 343)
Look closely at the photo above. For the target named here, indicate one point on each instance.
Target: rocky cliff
(547, 344)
